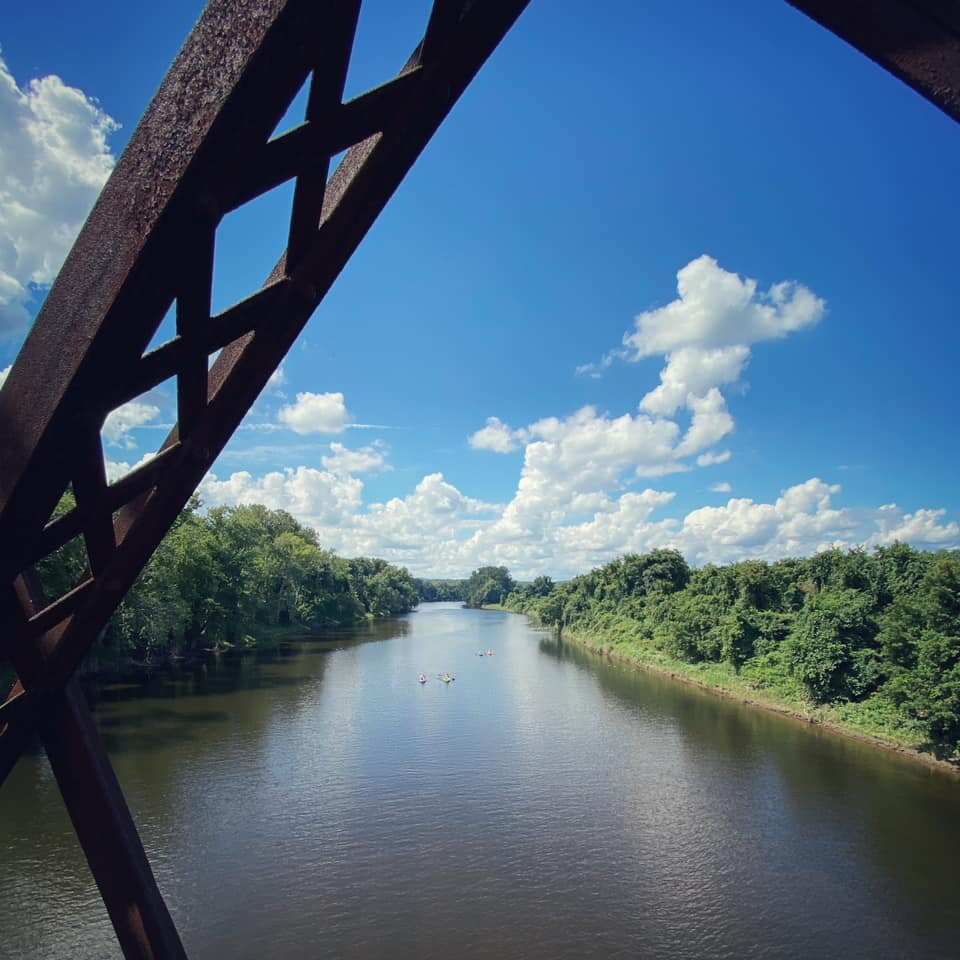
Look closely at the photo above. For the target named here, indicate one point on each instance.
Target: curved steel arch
(203, 149)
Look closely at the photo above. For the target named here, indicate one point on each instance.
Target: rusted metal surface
(916, 40)
(203, 149)
(106, 829)
(94, 801)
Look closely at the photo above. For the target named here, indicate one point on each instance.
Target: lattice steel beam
(916, 40)
(203, 149)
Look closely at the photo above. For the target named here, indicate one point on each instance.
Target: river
(317, 801)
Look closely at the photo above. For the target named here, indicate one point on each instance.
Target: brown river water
(317, 801)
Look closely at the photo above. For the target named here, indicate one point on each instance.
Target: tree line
(876, 631)
(485, 586)
(222, 577)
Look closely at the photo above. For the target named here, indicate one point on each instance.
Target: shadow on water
(149, 730)
(232, 669)
(874, 803)
(156, 720)
(215, 675)
(243, 681)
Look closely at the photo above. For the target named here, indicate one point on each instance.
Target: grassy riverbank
(865, 643)
(867, 722)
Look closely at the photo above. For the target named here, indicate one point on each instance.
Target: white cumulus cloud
(431, 514)
(496, 436)
(359, 460)
(799, 522)
(118, 427)
(718, 309)
(577, 501)
(54, 158)
(316, 413)
(590, 452)
(705, 337)
(693, 372)
(316, 497)
(115, 469)
(438, 530)
(3, 374)
(922, 528)
(626, 528)
(711, 422)
(585, 453)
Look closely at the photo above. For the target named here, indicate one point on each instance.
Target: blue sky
(806, 197)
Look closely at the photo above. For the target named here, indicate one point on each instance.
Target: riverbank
(848, 720)
(263, 637)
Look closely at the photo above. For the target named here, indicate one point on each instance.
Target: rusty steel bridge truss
(203, 149)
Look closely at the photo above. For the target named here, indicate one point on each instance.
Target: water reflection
(317, 800)
(849, 802)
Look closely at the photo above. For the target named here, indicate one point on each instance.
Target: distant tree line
(879, 629)
(432, 591)
(221, 577)
(488, 585)
(484, 587)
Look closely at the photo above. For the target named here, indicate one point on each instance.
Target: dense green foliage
(223, 577)
(488, 585)
(485, 586)
(876, 634)
(433, 590)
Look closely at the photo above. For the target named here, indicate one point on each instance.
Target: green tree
(691, 627)
(488, 585)
(738, 634)
(922, 635)
(61, 571)
(831, 648)
(541, 587)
